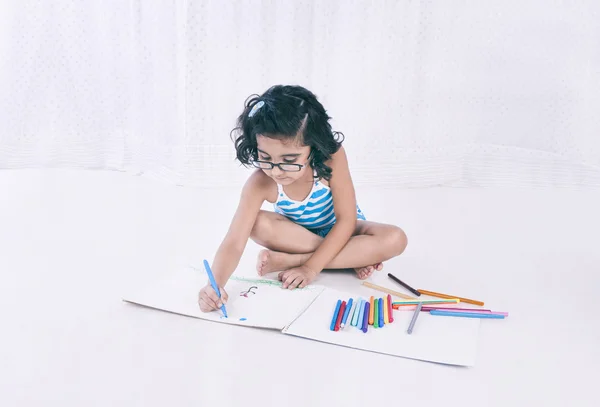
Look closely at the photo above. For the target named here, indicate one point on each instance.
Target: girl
(302, 170)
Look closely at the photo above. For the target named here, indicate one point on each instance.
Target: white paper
(258, 303)
(437, 339)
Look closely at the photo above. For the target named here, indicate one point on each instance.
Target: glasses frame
(279, 165)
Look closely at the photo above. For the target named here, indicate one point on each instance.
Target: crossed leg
(291, 245)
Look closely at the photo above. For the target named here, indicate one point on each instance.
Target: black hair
(287, 113)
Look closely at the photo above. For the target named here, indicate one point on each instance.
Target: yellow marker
(387, 291)
(371, 310)
(386, 315)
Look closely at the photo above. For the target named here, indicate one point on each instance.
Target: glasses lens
(291, 167)
(261, 164)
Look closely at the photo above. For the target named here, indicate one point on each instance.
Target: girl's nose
(276, 171)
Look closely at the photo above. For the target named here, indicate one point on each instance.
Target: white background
(427, 92)
(74, 243)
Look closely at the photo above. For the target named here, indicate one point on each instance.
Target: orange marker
(371, 310)
(434, 294)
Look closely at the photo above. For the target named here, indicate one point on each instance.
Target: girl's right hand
(208, 299)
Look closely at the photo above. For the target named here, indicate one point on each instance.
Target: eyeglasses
(267, 165)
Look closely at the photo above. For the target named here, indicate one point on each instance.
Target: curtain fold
(427, 93)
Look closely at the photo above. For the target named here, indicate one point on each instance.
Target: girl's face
(291, 156)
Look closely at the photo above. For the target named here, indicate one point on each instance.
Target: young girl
(302, 170)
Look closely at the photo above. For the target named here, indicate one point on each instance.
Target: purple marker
(365, 323)
(429, 308)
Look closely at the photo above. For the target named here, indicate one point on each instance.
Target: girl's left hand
(297, 277)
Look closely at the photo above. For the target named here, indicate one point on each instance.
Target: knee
(262, 230)
(395, 241)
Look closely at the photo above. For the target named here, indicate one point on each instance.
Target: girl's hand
(297, 277)
(208, 299)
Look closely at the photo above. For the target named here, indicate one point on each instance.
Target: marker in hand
(214, 285)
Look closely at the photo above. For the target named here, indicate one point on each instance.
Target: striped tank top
(314, 212)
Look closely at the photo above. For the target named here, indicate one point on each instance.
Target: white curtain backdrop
(458, 93)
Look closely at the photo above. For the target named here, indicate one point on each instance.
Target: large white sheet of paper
(446, 340)
(260, 303)
(307, 313)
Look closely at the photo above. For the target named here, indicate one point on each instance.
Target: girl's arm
(344, 204)
(227, 258)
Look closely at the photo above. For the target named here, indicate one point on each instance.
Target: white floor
(72, 242)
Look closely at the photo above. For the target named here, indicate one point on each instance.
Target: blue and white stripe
(314, 212)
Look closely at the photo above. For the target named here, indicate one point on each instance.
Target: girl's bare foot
(365, 272)
(270, 260)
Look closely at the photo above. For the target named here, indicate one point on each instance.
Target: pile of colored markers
(361, 313)
(437, 307)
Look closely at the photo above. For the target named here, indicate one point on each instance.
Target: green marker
(376, 314)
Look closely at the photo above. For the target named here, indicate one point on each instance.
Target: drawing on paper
(264, 281)
(259, 281)
(248, 291)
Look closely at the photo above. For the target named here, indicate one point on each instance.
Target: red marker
(340, 314)
(390, 309)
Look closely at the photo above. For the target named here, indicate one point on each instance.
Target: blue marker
(346, 312)
(214, 285)
(361, 313)
(381, 320)
(465, 314)
(335, 315)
